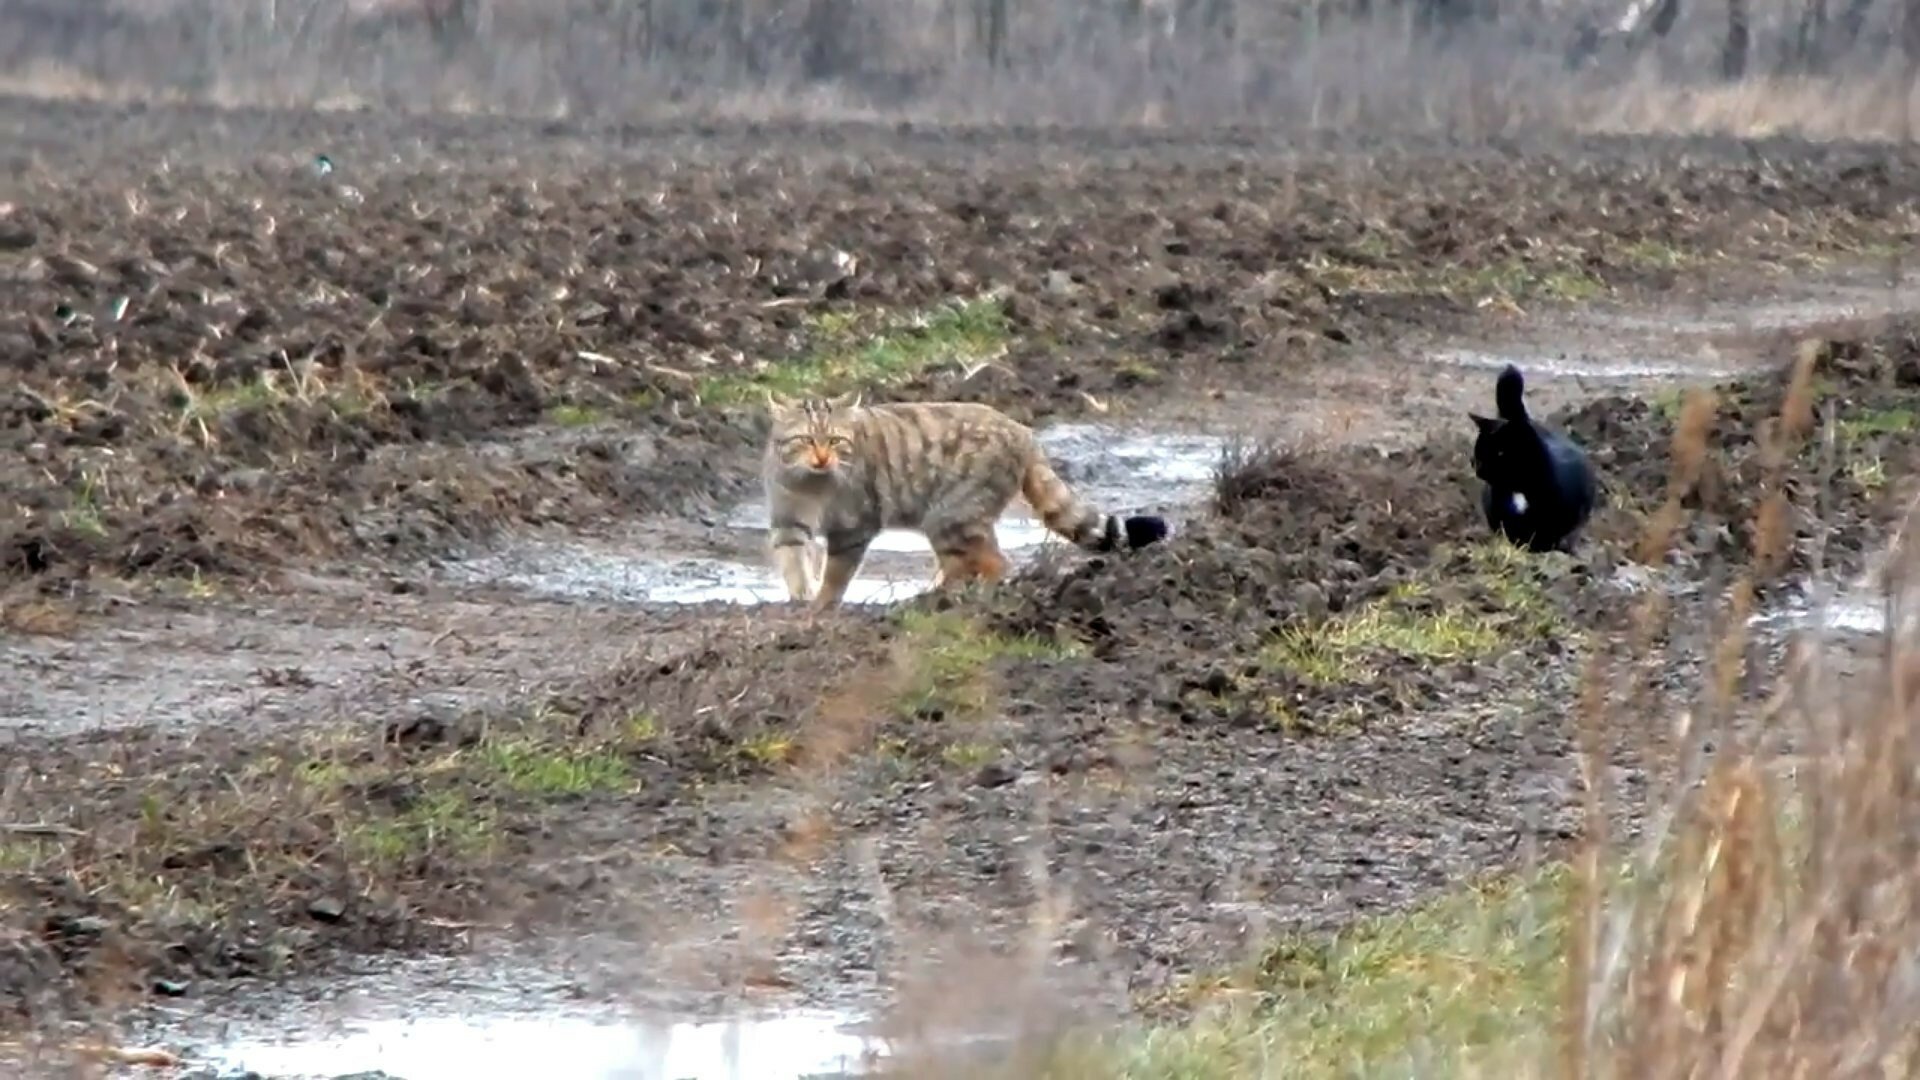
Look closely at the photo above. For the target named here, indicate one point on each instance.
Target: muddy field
(221, 353)
(254, 409)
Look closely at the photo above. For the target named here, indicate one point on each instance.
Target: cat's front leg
(816, 565)
(845, 552)
(791, 543)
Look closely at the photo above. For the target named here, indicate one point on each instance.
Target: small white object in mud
(783, 1047)
(1857, 617)
(1847, 616)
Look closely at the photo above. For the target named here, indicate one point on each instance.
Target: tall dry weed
(1765, 922)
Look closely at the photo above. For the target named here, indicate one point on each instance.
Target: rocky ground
(248, 403)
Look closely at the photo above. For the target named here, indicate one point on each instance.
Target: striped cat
(837, 473)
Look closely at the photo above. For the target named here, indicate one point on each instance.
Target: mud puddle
(1592, 367)
(1122, 471)
(784, 1046)
(595, 571)
(568, 1009)
(1854, 613)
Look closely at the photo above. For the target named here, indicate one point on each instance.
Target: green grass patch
(531, 768)
(1510, 577)
(1894, 421)
(85, 513)
(200, 410)
(1520, 280)
(448, 799)
(1472, 603)
(1468, 984)
(22, 855)
(574, 416)
(216, 401)
(968, 755)
(1655, 255)
(1667, 401)
(1338, 650)
(768, 748)
(1514, 279)
(435, 816)
(1867, 473)
(1133, 371)
(948, 658)
(438, 821)
(330, 815)
(845, 355)
(641, 727)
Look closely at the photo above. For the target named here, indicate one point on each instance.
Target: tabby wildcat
(837, 473)
(1538, 489)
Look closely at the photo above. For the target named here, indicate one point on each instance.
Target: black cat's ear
(1487, 424)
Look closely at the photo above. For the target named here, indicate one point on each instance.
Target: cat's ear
(1487, 424)
(848, 401)
(778, 406)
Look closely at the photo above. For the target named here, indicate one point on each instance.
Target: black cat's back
(1572, 468)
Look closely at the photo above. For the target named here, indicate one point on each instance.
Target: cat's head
(811, 438)
(1495, 448)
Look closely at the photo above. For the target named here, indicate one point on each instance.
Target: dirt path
(314, 651)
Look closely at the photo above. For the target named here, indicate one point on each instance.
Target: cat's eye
(840, 442)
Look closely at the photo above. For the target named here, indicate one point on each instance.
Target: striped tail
(1063, 512)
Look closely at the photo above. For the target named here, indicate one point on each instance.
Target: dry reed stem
(1776, 933)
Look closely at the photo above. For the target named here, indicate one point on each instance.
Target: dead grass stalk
(1766, 922)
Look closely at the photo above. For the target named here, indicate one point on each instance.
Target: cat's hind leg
(969, 556)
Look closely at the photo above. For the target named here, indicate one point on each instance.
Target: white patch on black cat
(1518, 502)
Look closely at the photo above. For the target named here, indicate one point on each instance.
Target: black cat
(1539, 488)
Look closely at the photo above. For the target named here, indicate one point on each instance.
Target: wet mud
(339, 566)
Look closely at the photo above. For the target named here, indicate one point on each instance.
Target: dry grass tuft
(1765, 921)
(1770, 925)
(1872, 107)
